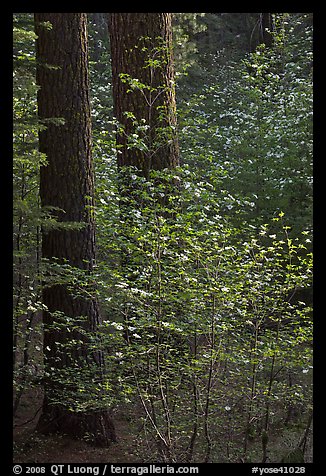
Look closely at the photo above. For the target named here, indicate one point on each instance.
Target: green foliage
(186, 27)
(203, 273)
(26, 211)
(199, 318)
(251, 131)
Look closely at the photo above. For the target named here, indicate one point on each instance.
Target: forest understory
(163, 238)
(32, 447)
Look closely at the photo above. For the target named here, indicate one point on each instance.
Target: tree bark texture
(67, 182)
(141, 47)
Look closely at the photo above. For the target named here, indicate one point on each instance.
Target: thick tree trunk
(67, 182)
(141, 47)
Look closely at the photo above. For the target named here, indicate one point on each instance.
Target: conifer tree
(67, 184)
(143, 89)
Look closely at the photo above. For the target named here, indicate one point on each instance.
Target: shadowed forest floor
(32, 447)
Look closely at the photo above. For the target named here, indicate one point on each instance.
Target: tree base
(96, 428)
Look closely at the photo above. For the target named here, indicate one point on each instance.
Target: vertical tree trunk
(141, 47)
(262, 31)
(67, 182)
(267, 27)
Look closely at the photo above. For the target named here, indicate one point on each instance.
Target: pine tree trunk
(67, 182)
(141, 47)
